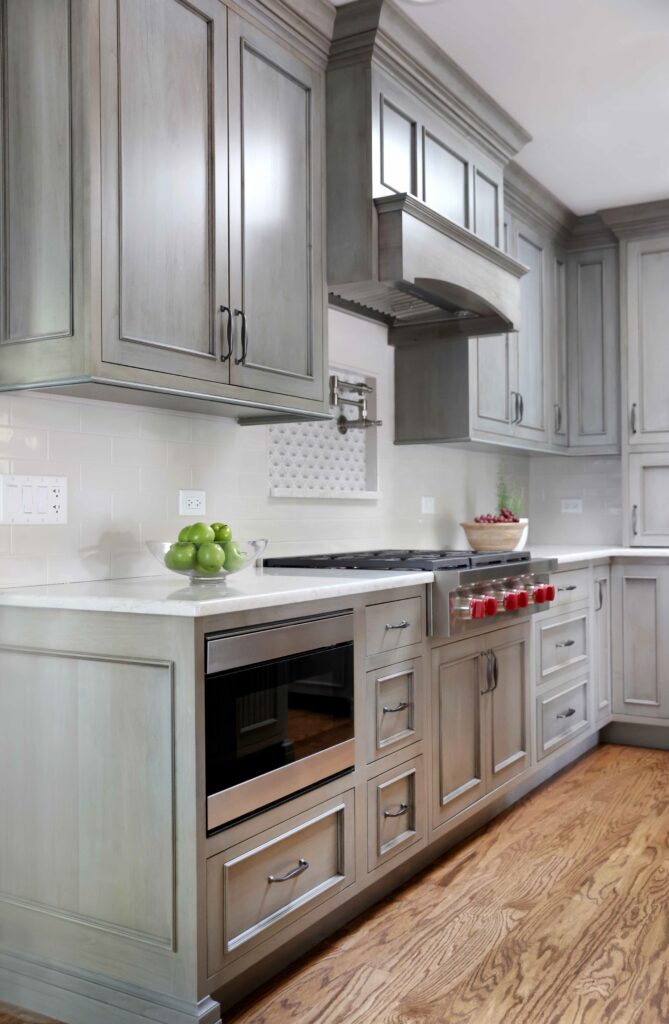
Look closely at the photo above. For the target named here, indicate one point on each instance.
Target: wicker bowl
(494, 536)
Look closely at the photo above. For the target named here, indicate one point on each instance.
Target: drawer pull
(566, 643)
(397, 625)
(402, 706)
(302, 865)
(563, 590)
(402, 809)
(567, 714)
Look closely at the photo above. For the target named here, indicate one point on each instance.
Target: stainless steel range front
(470, 591)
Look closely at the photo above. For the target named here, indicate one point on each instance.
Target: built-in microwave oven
(278, 712)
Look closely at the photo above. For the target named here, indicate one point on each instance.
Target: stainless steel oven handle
(397, 625)
(302, 865)
(403, 704)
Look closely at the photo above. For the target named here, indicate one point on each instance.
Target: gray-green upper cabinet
(45, 260)
(531, 370)
(164, 185)
(647, 303)
(276, 210)
(558, 353)
(593, 350)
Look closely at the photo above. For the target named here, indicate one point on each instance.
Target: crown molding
(639, 220)
(590, 232)
(378, 33)
(530, 200)
(309, 23)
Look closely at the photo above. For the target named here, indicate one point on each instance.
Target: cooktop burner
(399, 559)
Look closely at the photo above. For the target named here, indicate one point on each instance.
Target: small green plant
(510, 496)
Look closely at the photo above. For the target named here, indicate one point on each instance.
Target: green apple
(183, 534)
(181, 557)
(210, 557)
(222, 531)
(234, 556)
(200, 533)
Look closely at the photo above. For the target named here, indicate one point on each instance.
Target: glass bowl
(250, 550)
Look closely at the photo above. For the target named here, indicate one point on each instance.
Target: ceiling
(589, 79)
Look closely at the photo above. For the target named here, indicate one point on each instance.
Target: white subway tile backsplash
(111, 478)
(110, 419)
(49, 411)
(166, 427)
(79, 447)
(23, 443)
(134, 451)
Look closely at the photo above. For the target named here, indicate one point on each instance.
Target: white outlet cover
(192, 503)
(427, 506)
(571, 506)
(33, 500)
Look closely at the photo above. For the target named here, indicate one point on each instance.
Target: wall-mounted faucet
(360, 388)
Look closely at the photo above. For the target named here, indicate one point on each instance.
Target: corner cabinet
(640, 647)
(480, 716)
(177, 251)
(647, 310)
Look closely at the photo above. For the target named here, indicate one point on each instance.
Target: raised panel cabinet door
(649, 499)
(276, 186)
(164, 186)
(557, 342)
(459, 773)
(601, 645)
(531, 339)
(640, 641)
(508, 708)
(593, 349)
(491, 360)
(647, 285)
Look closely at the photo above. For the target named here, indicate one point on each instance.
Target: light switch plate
(33, 500)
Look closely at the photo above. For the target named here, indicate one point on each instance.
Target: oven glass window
(262, 717)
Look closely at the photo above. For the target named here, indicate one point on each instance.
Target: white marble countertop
(569, 555)
(173, 595)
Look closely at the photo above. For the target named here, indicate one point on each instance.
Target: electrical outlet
(192, 503)
(33, 500)
(427, 506)
(571, 506)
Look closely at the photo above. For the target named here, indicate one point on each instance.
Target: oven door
(278, 713)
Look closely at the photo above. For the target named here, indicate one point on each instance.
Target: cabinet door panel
(509, 710)
(593, 340)
(398, 144)
(531, 354)
(458, 740)
(601, 646)
(560, 419)
(275, 204)
(37, 246)
(486, 208)
(647, 339)
(641, 651)
(163, 116)
(445, 180)
(649, 499)
(490, 365)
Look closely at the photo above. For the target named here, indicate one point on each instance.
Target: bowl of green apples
(206, 552)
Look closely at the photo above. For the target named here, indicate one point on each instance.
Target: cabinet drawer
(260, 885)
(572, 586)
(560, 715)
(395, 701)
(394, 624)
(563, 643)
(396, 811)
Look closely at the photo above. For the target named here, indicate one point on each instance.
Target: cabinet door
(601, 646)
(641, 641)
(649, 499)
(557, 336)
(490, 365)
(531, 347)
(508, 709)
(593, 349)
(164, 187)
(276, 183)
(647, 277)
(458, 677)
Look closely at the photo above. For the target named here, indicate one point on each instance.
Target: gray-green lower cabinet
(601, 645)
(640, 645)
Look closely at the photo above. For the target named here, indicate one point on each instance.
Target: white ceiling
(589, 79)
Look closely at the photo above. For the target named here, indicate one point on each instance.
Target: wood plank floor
(555, 913)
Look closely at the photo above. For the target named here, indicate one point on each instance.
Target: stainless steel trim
(302, 866)
(265, 789)
(259, 644)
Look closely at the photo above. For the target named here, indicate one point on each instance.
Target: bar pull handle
(566, 643)
(397, 625)
(245, 343)
(302, 865)
(563, 590)
(226, 355)
(402, 809)
(635, 520)
(567, 714)
(402, 706)
(633, 418)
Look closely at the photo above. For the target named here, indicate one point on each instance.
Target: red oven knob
(490, 605)
(477, 608)
(523, 599)
(539, 594)
(511, 601)
(550, 592)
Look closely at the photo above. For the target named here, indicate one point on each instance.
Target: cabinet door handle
(521, 403)
(402, 706)
(302, 865)
(633, 423)
(488, 672)
(563, 590)
(226, 355)
(558, 418)
(245, 342)
(635, 520)
(495, 670)
(600, 596)
(402, 809)
(515, 396)
(566, 714)
(566, 643)
(397, 625)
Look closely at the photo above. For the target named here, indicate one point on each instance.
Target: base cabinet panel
(509, 711)
(396, 807)
(562, 713)
(601, 645)
(640, 641)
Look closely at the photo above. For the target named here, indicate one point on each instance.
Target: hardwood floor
(556, 913)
